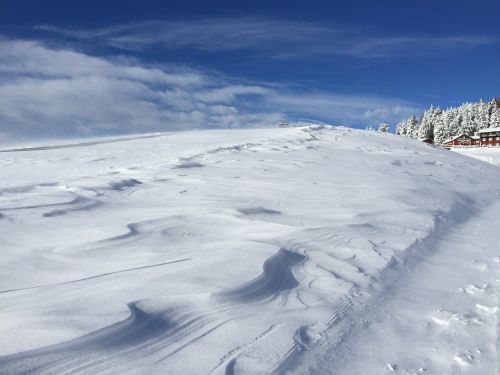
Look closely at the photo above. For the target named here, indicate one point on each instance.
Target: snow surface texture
(488, 154)
(302, 250)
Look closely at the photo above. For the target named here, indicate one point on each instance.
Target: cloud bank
(272, 38)
(59, 92)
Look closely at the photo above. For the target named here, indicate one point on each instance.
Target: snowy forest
(440, 125)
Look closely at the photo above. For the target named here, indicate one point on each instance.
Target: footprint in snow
(464, 359)
(473, 289)
(487, 309)
(396, 163)
(448, 318)
(392, 367)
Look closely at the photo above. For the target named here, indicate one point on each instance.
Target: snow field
(217, 252)
(487, 154)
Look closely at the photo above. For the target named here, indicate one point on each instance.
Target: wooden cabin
(427, 140)
(489, 137)
(462, 140)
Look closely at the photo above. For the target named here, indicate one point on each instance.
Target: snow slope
(441, 318)
(249, 251)
(488, 154)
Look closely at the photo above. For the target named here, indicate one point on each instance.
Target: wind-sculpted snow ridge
(124, 184)
(228, 252)
(138, 328)
(364, 298)
(277, 277)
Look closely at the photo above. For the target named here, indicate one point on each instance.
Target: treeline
(440, 125)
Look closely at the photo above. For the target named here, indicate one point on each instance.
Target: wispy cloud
(272, 38)
(50, 92)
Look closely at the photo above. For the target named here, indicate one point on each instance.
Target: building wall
(463, 141)
(490, 139)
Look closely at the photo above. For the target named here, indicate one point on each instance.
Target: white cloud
(272, 38)
(32, 58)
(348, 109)
(228, 94)
(50, 92)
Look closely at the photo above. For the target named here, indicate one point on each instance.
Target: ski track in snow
(425, 318)
(97, 276)
(307, 250)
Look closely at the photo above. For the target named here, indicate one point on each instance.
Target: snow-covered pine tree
(401, 127)
(494, 113)
(451, 123)
(482, 116)
(383, 127)
(442, 125)
(426, 129)
(441, 131)
(447, 119)
(467, 125)
(412, 127)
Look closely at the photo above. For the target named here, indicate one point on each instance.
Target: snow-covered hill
(250, 251)
(488, 154)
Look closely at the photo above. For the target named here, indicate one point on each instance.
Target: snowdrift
(217, 251)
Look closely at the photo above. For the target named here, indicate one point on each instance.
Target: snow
(251, 251)
(439, 319)
(487, 154)
(489, 130)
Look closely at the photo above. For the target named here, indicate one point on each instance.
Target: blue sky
(107, 67)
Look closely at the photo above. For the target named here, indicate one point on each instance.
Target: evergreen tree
(426, 129)
(451, 124)
(495, 113)
(412, 126)
(439, 125)
(441, 131)
(482, 117)
(402, 127)
(383, 127)
(467, 125)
